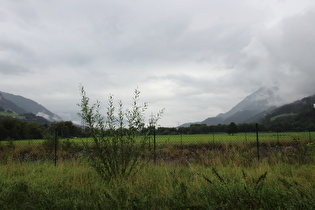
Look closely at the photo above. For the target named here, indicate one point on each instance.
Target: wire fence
(257, 145)
(237, 138)
(261, 144)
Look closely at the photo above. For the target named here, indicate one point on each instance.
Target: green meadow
(75, 185)
(263, 137)
(199, 175)
(250, 137)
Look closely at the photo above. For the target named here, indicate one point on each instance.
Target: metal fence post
(257, 140)
(149, 142)
(154, 145)
(56, 146)
(181, 139)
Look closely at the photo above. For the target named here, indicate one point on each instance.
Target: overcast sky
(195, 58)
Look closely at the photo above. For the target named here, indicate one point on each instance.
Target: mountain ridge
(9, 105)
(252, 108)
(292, 111)
(262, 99)
(21, 105)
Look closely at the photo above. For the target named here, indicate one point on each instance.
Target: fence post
(150, 141)
(257, 140)
(56, 146)
(181, 139)
(154, 145)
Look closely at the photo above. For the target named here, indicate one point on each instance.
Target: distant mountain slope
(208, 121)
(9, 105)
(262, 99)
(301, 110)
(250, 109)
(22, 105)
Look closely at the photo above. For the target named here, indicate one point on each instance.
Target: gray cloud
(195, 58)
(282, 55)
(11, 68)
(14, 57)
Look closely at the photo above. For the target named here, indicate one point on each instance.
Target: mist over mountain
(250, 109)
(262, 99)
(21, 105)
(301, 112)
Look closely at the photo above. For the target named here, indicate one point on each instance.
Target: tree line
(205, 129)
(15, 129)
(232, 128)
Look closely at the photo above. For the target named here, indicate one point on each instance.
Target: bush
(119, 144)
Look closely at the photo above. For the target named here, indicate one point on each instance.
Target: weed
(117, 151)
(235, 192)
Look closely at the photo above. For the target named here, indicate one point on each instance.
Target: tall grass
(75, 185)
(204, 176)
(208, 154)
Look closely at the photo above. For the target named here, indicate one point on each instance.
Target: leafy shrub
(119, 143)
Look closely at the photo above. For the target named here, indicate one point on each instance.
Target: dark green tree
(65, 129)
(33, 130)
(10, 128)
(232, 128)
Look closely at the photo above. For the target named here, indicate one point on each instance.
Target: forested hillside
(298, 115)
(21, 105)
(15, 129)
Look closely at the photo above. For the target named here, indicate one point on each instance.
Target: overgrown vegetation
(205, 176)
(206, 153)
(75, 185)
(120, 146)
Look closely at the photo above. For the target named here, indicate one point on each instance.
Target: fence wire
(254, 145)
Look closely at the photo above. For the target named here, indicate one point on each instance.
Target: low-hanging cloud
(195, 58)
(282, 55)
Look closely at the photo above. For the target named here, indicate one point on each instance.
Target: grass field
(9, 114)
(264, 137)
(283, 115)
(187, 176)
(236, 138)
(75, 185)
